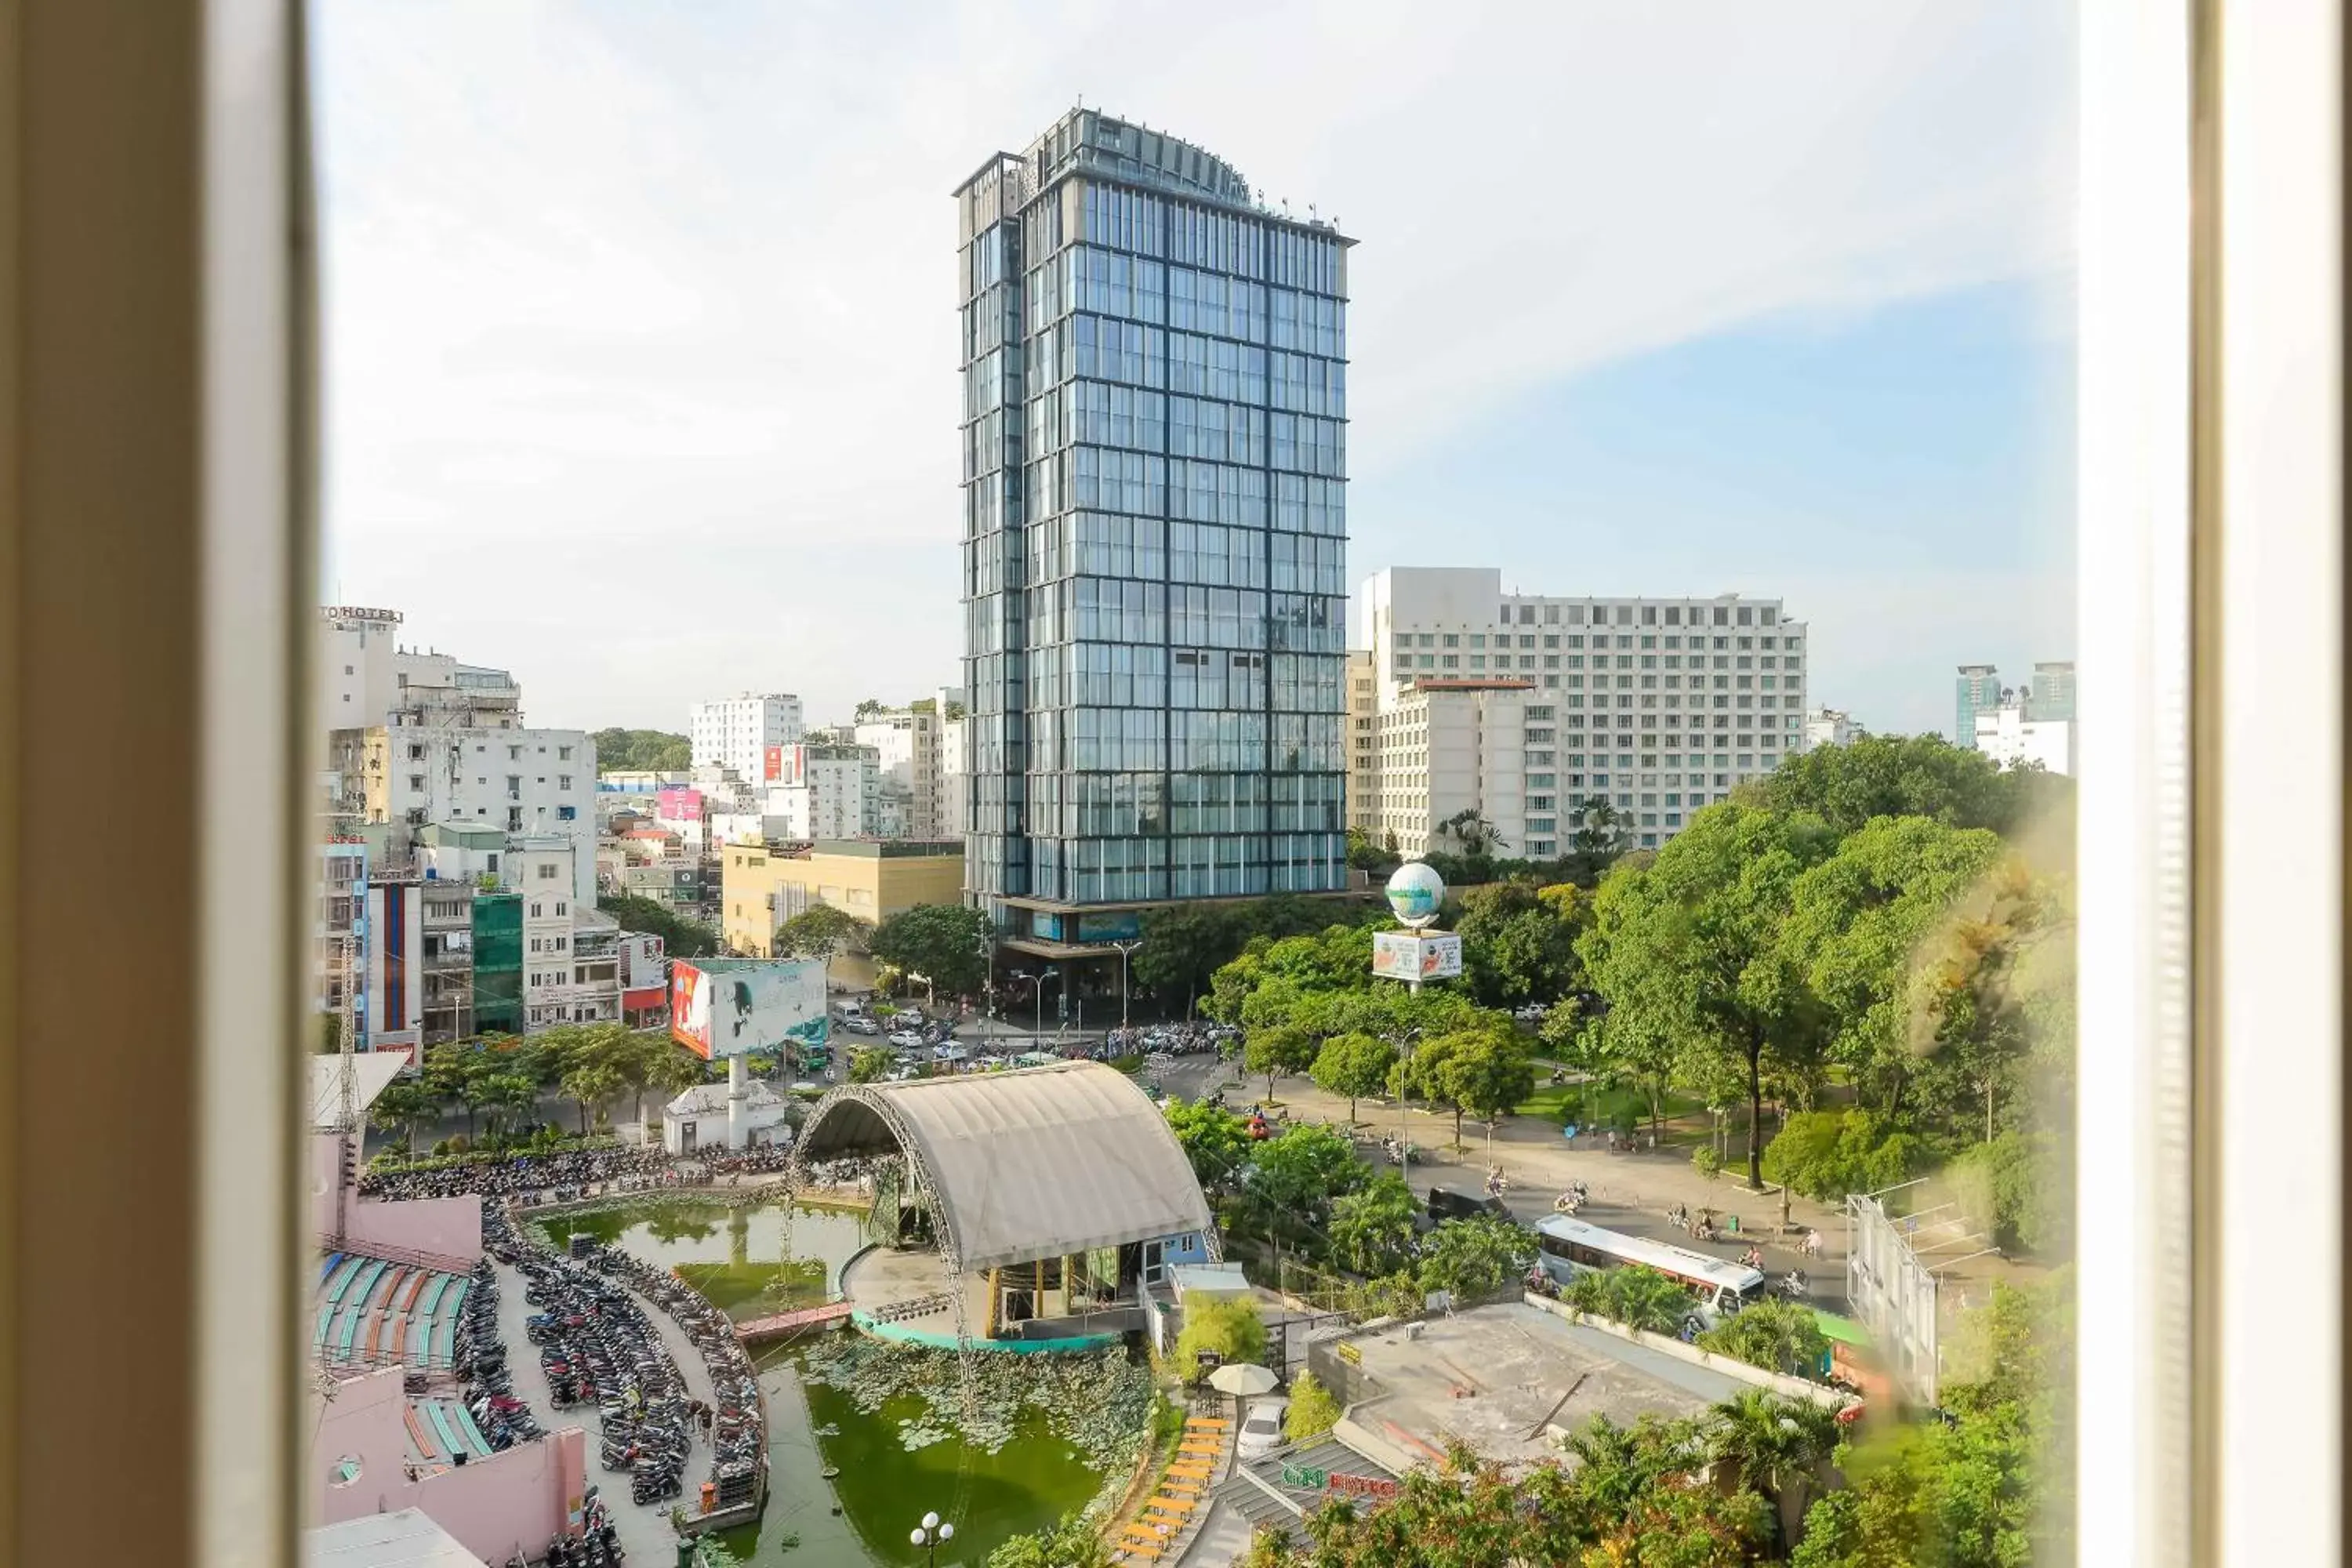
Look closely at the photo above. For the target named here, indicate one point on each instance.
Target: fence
(1893, 1294)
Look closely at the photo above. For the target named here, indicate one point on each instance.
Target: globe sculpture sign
(1416, 894)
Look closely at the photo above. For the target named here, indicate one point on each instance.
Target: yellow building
(762, 887)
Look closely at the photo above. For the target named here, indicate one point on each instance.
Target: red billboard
(679, 805)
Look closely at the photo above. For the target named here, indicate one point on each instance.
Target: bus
(1718, 1289)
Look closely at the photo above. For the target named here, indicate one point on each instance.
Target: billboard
(742, 1006)
(772, 769)
(1415, 956)
(678, 804)
(1114, 926)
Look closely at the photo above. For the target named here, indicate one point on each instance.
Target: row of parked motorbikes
(572, 1169)
(597, 1346)
(1171, 1039)
(737, 1422)
(598, 1544)
(504, 1419)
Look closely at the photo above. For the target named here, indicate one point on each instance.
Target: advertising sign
(746, 1006)
(1118, 925)
(679, 805)
(641, 961)
(1415, 956)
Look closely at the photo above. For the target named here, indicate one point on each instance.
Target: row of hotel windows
(1575, 640)
(1647, 615)
(1082, 279)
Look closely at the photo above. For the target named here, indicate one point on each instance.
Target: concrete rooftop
(1496, 1376)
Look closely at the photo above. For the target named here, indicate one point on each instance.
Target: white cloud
(640, 339)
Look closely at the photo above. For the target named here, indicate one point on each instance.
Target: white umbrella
(1242, 1379)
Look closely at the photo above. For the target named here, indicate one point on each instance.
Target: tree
(1689, 947)
(1914, 775)
(1277, 1051)
(1367, 854)
(1072, 1542)
(1352, 1064)
(1639, 1298)
(1858, 920)
(1602, 837)
(327, 1039)
(642, 751)
(871, 707)
(946, 944)
(820, 932)
(593, 1085)
(1778, 1335)
(1216, 1141)
(400, 1108)
(671, 1070)
(506, 1096)
(1312, 1412)
(681, 937)
(1774, 1447)
(1519, 942)
(1231, 1328)
(871, 1065)
(1183, 947)
(1477, 838)
(1293, 1178)
(1489, 1076)
(1374, 1228)
(1476, 1258)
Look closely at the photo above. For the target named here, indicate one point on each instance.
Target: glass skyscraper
(1154, 531)
(1977, 690)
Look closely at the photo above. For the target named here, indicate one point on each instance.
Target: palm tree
(1774, 1447)
(671, 1071)
(1479, 838)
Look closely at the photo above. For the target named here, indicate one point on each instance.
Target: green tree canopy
(681, 937)
(1477, 1257)
(642, 751)
(1907, 776)
(1353, 1065)
(820, 932)
(1775, 1334)
(1216, 1141)
(1312, 1412)
(1519, 942)
(1232, 1328)
(1279, 1049)
(1293, 1176)
(872, 1064)
(1374, 1228)
(1689, 947)
(947, 944)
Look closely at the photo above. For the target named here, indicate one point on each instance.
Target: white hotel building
(1522, 706)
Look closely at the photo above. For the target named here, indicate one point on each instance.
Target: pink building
(446, 1231)
(363, 1462)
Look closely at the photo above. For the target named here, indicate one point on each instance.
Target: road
(1631, 1191)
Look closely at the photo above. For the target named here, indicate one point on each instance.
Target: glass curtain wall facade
(1155, 527)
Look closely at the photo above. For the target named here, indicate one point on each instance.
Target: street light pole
(1125, 948)
(930, 1535)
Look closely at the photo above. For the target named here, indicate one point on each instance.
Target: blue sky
(640, 365)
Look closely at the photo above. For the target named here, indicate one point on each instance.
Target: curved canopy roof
(1023, 1165)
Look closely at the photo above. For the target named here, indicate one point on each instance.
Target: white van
(853, 1008)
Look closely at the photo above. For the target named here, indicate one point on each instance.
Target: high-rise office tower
(1155, 531)
(2053, 691)
(1977, 690)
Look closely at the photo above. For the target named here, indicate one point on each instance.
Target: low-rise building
(1831, 727)
(536, 781)
(698, 1118)
(2012, 740)
(765, 885)
(824, 790)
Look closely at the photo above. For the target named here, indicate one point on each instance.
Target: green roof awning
(1845, 1330)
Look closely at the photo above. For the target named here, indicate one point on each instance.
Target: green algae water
(898, 1460)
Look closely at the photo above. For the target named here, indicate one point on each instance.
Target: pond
(1008, 1446)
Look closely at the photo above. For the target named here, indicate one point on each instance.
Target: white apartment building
(736, 733)
(1831, 727)
(955, 817)
(1658, 706)
(826, 792)
(1445, 748)
(571, 969)
(2012, 740)
(905, 744)
(538, 782)
(367, 678)
(335, 968)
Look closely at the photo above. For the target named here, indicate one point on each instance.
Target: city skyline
(1784, 338)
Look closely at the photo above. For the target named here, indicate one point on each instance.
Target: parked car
(950, 1054)
(1533, 1013)
(853, 1008)
(1450, 1203)
(861, 1025)
(907, 1039)
(1262, 1427)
